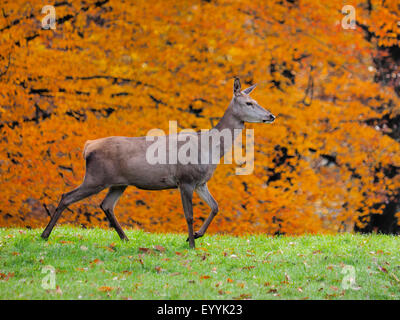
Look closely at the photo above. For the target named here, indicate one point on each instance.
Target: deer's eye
(249, 103)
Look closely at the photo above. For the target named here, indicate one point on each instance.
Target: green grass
(96, 264)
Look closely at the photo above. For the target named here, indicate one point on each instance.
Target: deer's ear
(249, 89)
(236, 87)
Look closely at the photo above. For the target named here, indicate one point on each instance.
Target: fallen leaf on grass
(15, 253)
(112, 247)
(248, 268)
(61, 270)
(159, 248)
(81, 269)
(229, 280)
(5, 277)
(159, 269)
(383, 269)
(224, 292)
(140, 260)
(64, 242)
(96, 261)
(105, 289)
(287, 279)
(243, 296)
(205, 277)
(395, 277)
(377, 252)
(58, 290)
(146, 250)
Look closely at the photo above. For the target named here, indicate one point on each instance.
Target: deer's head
(247, 109)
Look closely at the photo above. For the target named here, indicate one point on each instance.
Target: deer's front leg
(206, 196)
(187, 198)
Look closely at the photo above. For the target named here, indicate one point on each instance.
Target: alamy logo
(203, 147)
(49, 20)
(349, 279)
(49, 281)
(349, 20)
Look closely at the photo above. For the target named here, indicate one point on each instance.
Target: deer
(116, 162)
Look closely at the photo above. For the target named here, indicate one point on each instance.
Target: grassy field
(96, 264)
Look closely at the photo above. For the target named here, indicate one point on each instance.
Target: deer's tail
(85, 153)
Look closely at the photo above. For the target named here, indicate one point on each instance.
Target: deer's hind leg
(108, 205)
(83, 191)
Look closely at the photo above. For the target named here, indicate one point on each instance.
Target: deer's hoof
(196, 235)
(123, 237)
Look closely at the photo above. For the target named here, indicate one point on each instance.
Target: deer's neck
(232, 124)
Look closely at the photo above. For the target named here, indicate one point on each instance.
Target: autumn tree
(122, 68)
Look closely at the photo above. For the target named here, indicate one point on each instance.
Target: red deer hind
(118, 162)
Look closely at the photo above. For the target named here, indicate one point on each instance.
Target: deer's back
(122, 161)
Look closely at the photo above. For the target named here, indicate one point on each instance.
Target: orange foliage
(123, 68)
